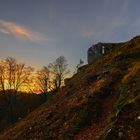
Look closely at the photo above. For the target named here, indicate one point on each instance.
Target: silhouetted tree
(2, 76)
(59, 70)
(17, 74)
(13, 76)
(44, 79)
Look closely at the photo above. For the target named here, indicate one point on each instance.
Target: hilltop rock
(97, 50)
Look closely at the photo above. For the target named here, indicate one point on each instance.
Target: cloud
(4, 31)
(19, 31)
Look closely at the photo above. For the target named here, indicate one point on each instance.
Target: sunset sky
(38, 31)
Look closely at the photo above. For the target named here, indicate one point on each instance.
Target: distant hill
(100, 102)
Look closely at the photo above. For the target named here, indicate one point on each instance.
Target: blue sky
(38, 31)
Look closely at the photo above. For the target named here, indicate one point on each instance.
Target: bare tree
(13, 76)
(44, 79)
(17, 74)
(2, 76)
(59, 69)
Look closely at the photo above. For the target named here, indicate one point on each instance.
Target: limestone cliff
(97, 50)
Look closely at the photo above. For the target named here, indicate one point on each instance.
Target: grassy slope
(102, 96)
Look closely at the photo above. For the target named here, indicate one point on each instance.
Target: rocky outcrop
(97, 50)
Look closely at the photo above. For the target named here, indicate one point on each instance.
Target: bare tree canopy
(44, 80)
(14, 75)
(60, 69)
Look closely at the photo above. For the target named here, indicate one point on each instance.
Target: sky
(37, 32)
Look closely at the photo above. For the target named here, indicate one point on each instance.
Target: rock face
(97, 50)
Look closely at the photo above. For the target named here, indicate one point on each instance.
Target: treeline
(15, 76)
(25, 103)
(51, 77)
(19, 83)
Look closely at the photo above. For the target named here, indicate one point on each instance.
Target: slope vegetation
(100, 102)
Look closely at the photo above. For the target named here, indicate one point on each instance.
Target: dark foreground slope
(12, 109)
(102, 101)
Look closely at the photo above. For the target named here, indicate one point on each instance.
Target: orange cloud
(19, 31)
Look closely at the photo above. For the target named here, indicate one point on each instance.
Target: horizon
(37, 32)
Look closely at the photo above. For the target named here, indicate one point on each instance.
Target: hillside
(100, 102)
